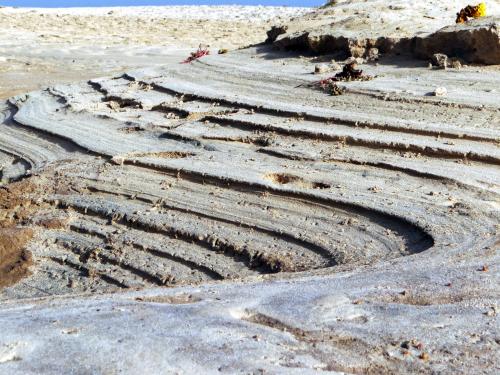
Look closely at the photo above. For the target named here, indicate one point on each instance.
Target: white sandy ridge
(201, 12)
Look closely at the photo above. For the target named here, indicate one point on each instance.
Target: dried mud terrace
(373, 216)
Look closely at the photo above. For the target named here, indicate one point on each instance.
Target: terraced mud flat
(255, 223)
(226, 216)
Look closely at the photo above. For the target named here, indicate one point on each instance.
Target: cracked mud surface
(251, 223)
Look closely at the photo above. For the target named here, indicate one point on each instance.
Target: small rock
(223, 51)
(491, 313)
(357, 51)
(70, 331)
(405, 345)
(484, 269)
(456, 64)
(321, 68)
(440, 60)
(114, 105)
(359, 60)
(424, 356)
(356, 60)
(372, 54)
(335, 90)
(440, 91)
(118, 160)
(417, 344)
(335, 66)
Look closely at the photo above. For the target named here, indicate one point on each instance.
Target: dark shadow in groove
(78, 267)
(103, 259)
(314, 118)
(179, 138)
(378, 165)
(161, 254)
(324, 253)
(415, 237)
(354, 141)
(225, 249)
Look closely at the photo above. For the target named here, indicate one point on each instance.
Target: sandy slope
(397, 18)
(42, 46)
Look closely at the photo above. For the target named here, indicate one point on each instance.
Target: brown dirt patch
(15, 203)
(179, 299)
(53, 223)
(15, 208)
(288, 179)
(14, 259)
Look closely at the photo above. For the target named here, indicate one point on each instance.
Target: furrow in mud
(369, 139)
(284, 103)
(179, 227)
(122, 236)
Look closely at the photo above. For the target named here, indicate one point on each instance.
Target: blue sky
(74, 3)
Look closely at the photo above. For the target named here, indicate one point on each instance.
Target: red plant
(196, 55)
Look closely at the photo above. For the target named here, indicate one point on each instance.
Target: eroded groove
(324, 253)
(380, 165)
(353, 141)
(382, 218)
(314, 118)
(227, 249)
(161, 254)
(83, 252)
(81, 267)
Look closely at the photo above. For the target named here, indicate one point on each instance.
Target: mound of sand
(353, 28)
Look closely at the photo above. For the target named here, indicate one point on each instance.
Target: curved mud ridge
(168, 177)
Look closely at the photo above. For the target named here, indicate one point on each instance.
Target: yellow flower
(479, 11)
(471, 12)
